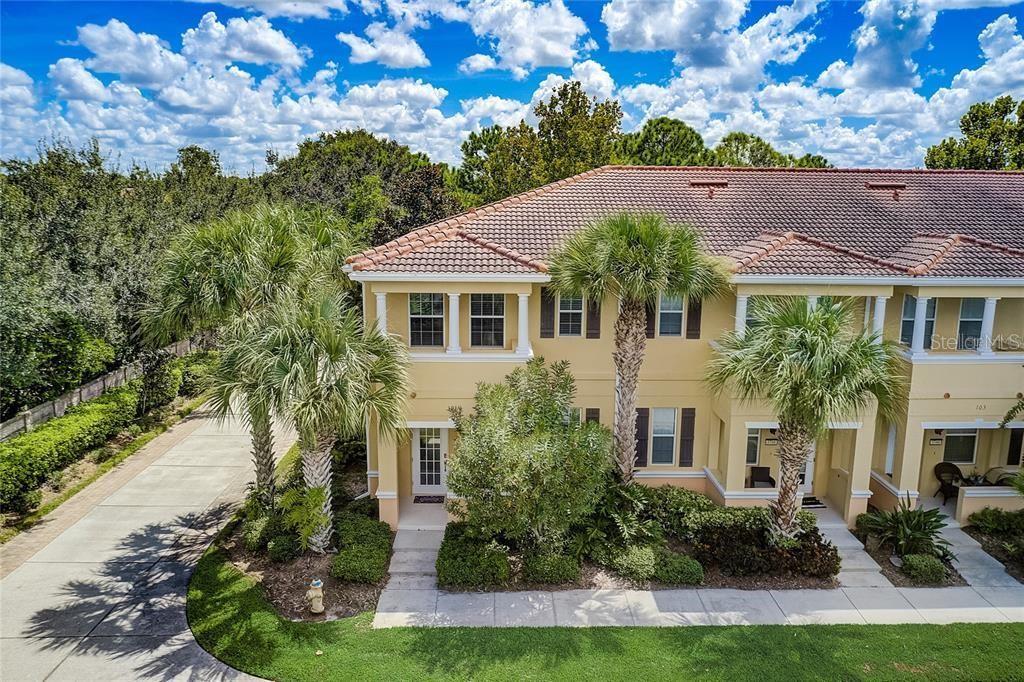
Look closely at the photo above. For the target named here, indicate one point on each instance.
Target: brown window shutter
(593, 319)
(689, 417)
(652, 311)
(592, 414)
(643, 419)
(547, 313)
(693, 318)
(1013, 455)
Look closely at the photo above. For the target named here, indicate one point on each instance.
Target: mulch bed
(994, 547)
(899, 578)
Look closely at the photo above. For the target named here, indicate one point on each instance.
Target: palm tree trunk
(316, 473)
(262, 454)
(630, 344)
(794, 449)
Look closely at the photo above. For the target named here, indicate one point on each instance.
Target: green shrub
(355, 529)
(622, 517)
(257, 532)
(26, 460)
(195, 372)
(161, 379)
(283, 548)
(360, 564)
(924, 569)
(366, 506)
(814, 556)
(636, 563)
(551, 569)
(669, 505)
(908, 530)
(674, 568)
(466, 561)
(735, 539)
(998, 522)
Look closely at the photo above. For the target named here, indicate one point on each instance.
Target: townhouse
(932, 259)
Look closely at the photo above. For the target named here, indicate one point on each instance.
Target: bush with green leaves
(551, 569)
(669, 505)
(623, 516)
(355, 529)
(524, 468)
(283, 548)
(28, 459)
(907, 530)
(361, 563)
(258, 531)
(366, 506)
(638, 562)
(195, 372)
(303, 512)
(924, 569)
(998, 522)
(161, 379)
(465, 560)
(675, 568)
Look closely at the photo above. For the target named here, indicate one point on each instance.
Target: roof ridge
(450, 226)
(504, 251)
(986, 243)
(774, 245)
(793, 169)
(949, 241)
(784, 238)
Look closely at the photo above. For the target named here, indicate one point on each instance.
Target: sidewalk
(97, 590)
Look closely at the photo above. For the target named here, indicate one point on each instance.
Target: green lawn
(231, 619)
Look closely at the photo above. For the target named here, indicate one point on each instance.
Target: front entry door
(430, 449)
(807, 474)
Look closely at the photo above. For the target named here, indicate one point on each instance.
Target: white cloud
(389, 46)
(475, 63)
(292, 9)
(137, 58)
(240, 40)
(73, 81)
(695, 28)
(594, 78)
(525, 36)
(15, 88)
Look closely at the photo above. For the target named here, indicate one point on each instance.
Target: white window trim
(974, 452)
(444, 327)
(961, 319)
(757, 459)
(674, 436)
(933, 303)
(486, 317)
(682, 318)
(558, 318)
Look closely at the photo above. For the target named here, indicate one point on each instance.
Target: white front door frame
(808, 471)
(420, 473)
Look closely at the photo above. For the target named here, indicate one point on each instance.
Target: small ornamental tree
(524, 466)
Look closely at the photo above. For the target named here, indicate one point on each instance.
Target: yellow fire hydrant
(315, 596)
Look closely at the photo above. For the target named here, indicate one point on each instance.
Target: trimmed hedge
(998, 522)
(636, 563)
(464, 561)
(357, 530)
(360, 564)
(283, 548)
(673, 568)
(923, 569)
(26, 460)
(551, 569)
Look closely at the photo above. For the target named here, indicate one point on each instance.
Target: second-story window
(487, 320)
(670, 316)
(570, 316)
(426, 319)
(968, 333)
(907, 321)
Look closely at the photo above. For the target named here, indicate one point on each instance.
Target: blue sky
(865, 84)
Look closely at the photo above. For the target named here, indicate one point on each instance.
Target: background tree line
(79, 235)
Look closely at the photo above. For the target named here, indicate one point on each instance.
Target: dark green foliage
(637, 562)
(26, 460)
(744, 149)
(283, 548)
(355, 529)
(673, 568)
(992, 521)
(161, 379)
(663, 141)
(257, 532)
(923, 569)
(993, 138)
(669, 505)
(907, 530)
(361, 564)
(366, 506)
(195, 372)
(467, 561)
(625, 515)
(812, 556)
(551, 569)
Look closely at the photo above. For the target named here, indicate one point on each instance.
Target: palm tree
(330, 376)
(810, 367)
(220, 275)
(635, 258)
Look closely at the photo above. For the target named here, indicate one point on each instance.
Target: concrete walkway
(97, 590)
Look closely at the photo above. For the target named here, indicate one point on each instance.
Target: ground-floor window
(753, 445)
(663, 435)
(960, 446)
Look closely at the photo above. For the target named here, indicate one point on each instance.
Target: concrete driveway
(97, 591)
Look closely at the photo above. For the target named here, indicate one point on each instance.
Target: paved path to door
(97, 590)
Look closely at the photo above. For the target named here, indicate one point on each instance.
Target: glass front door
(430, 448)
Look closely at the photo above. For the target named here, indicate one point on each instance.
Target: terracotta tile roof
(839, 221)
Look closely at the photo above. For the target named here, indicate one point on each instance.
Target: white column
(987, 320)
(812, 302)
(867, 313)
(920, 314)
(523, 342)
(741, 313)
(453, 324)
(878, 323)
(382, 312)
